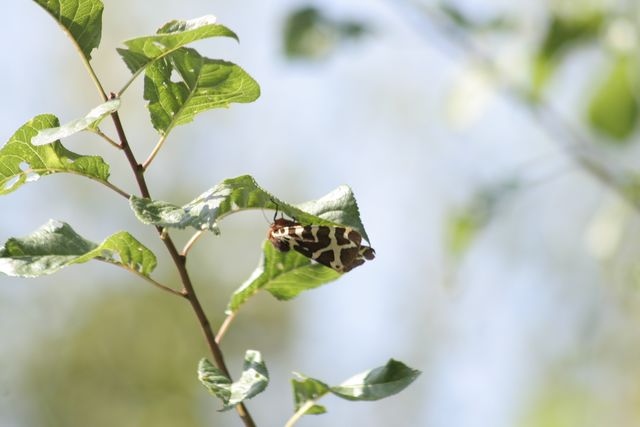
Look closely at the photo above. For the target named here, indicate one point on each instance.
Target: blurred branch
(432, 22)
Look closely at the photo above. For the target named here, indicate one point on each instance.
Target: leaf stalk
(300, 413)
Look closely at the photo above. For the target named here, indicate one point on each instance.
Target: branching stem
(145, 277)
(180, 262)
(107, 138)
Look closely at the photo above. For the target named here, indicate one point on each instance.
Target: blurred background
(491, 145)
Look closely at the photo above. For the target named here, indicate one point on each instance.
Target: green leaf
(203, 84)
(214, 380)
(563, 33)
(460, 19)
(373, 384)
(283, 274)
(306, 389)
(237, 194)
(56, 245)
(464, 223)
(254, 380)
(614, 108)
(80, 19)
(93, 117)
(310, 34)
(377, 383)
(173, 35)
(21, 161)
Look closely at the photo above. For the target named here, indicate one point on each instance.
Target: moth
(339, 248)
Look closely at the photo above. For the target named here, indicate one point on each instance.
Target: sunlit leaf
(306, 389)
(614, 109)
(237, 194)
(142, 51)
(373, 384)
(254, 380)
(21, 161)
(93, 117)
(81, 20)
(183, 84)
(563, 33)
(56, 245)
(377, 383)
(310, 34)
(283, 274)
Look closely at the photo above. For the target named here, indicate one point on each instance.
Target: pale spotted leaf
(306, 389)
(283, 274)
(56, 245)
(242, 193)
(377, 383)
(374, 384)
(93, 117)
(254, 380)
(21, 161)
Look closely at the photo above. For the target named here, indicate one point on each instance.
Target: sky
(412, 127)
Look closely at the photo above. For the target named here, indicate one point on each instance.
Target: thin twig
(116, 189)
(143, 276)
(128, 83)
(85, 61)
(180, 262)
(96, 179)
(155, 150)
(104, 136)
(191, 242)
(300, 413)
(225, 326)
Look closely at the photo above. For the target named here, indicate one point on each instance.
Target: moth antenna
(264, 216)
(276, 213)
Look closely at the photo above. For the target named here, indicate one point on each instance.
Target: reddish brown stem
(180, 261)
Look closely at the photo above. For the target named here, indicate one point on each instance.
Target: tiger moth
(339, 248)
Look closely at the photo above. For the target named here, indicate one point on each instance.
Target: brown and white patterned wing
(336, 247)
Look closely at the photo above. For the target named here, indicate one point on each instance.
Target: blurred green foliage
(310, 34)
(563, 34)
(461, 19)
(130, 360)
(614, 108)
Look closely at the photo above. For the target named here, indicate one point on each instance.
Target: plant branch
(101, 134)
(180, 262)
(143, 276)
(300, 412)
(128, 83)
(559, 129)
(155, 151)
(191, 242)
(85, 62)
(117, 190)
(225, 326)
